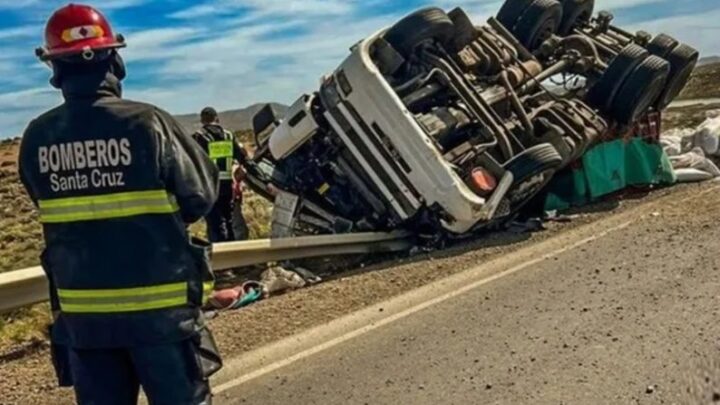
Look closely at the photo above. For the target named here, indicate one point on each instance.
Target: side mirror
(263, 123)
(264, 118)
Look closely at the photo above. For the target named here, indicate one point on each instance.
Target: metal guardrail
(29, 286)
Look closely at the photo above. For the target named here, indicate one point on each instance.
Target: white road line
(410, 311)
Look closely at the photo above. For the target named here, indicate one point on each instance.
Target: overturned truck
(444, 127)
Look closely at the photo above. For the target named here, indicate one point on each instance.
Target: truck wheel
(427, 24)
(511, 11)
(602, 93)
(465, 30)
(662, 45)
(641, 89)
(533, 169)
(575, 14)
(683, 60)
(553, 135)
(539, 22)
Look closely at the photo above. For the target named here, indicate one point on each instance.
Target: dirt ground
(30, 379)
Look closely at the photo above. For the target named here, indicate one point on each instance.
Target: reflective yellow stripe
(126, 307)
(125, 292)
(129, 299)
(107, 206)
(208, 289)
(123, 300)
(102, 199)
(323, 189)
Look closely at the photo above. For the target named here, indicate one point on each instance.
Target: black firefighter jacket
(116, 182)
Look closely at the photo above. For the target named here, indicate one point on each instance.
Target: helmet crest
(78, 30)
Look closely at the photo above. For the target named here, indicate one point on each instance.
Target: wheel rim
(547, 29)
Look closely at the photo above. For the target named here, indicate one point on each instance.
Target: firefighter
(116, 183)
(226, 216)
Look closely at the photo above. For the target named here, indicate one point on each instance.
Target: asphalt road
(628, 318)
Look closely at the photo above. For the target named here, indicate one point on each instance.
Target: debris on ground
(237, 297)
(692, 151)
(278, 280)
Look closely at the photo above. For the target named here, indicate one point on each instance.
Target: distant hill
(709, 60)
(234, 120)
(704, 83)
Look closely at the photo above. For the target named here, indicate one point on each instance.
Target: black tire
(683, 60)
(602, 93)
(533, 169)
(565, 146)
(538, 23)
(641, 90)
(465, 30)
(662, 45)
(423, 25)
(575, 14)
(511, 11)
(553, 135)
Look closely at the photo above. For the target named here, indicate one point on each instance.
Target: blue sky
(185, 54)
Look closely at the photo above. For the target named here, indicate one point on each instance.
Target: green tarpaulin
(608, 168)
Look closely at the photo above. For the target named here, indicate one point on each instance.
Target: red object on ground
(77, 29)
(225, 298)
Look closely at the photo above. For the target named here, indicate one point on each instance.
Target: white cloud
(50, 4)
(264, 50)
(117, 4)
(224, 71)
(154, 43)
(15, 4)
(700, 30)
(268, 7)
(19, 32)
(620, 4)
(21, 106)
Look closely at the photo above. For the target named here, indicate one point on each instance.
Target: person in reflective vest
(116, 183)
(229, 156)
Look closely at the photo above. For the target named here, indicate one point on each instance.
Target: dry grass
(687, 117)
(24, 327)
(20, 232)
(705, 83)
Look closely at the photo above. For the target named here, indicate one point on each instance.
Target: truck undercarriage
(441, 126)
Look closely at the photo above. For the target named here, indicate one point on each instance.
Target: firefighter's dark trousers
(220, 219)
(168, 374)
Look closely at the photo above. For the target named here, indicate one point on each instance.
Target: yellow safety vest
(113, 206)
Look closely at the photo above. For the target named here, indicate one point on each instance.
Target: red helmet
(78, 30)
